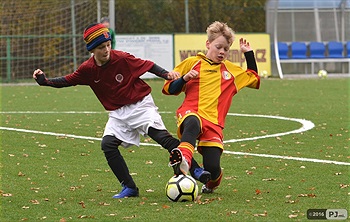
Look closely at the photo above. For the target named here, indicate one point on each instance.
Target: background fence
(38, 34)
(48, 33)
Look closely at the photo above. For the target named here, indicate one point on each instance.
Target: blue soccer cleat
(127, 192)
(201, 175)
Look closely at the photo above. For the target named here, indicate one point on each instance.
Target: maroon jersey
(117, 82)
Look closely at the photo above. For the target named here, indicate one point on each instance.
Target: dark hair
(104, 19)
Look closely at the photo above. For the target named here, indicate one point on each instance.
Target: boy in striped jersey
(209, 82)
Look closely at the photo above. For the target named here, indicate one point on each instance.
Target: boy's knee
(192, 121)
(110, 143)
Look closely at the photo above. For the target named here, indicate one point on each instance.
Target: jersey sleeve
(79, 76)
(248, 78)
(137, 67)
(183, 68)
(244, 78)
(58, 82)
(73, 79)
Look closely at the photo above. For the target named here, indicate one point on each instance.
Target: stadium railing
(315, 52)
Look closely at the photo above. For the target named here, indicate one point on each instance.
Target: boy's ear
(207, 44)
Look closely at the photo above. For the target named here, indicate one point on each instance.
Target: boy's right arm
(175, 87)
(57, 82)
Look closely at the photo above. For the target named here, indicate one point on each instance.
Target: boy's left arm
(250, 59)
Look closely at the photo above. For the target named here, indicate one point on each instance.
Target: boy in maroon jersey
(209, 82)
(114, 77)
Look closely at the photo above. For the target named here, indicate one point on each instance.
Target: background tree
(43, 33)
(168, 16)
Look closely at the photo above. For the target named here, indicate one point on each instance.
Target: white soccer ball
(181, 188)
(264, 74)
(322, 73)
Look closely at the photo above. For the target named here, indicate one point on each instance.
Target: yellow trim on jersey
(211, 144)
(180, 119)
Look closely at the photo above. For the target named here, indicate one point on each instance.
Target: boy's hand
(173, 75)
(190, 75)
(244, 45)
(37, 72)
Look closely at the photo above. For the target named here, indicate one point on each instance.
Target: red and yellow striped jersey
(210, 94)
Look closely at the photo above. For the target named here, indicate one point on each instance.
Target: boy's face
(106, 24)
(218, 49)
(102, 53)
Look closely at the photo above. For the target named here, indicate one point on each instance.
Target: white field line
(50, 133)
(306, 125)
(288, 158)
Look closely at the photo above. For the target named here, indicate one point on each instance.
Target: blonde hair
(217, 29)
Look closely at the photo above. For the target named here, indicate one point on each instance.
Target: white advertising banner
(157, 48)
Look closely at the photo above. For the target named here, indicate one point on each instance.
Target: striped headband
(96, 34)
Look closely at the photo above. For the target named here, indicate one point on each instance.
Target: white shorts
(129, 121)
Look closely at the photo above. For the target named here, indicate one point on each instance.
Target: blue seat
(335, 49)
(283, 50)
(348, 49)
(299, 50)
(317, 50)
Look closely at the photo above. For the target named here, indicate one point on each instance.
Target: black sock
(163, 138)
(116, 161)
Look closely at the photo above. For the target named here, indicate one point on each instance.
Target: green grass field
(50, 177)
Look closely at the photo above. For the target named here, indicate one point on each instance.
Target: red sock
(187, 151)
(213, 184)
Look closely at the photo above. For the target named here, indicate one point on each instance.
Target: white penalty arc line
(307, 125)
(288, 158)
(152, 144)
(50, 133)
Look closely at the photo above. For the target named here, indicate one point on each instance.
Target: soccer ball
(181, 188)
(322, 74)
(264, 74)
